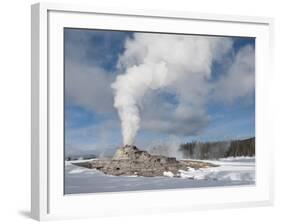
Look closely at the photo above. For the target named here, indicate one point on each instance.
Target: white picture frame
(47, 198)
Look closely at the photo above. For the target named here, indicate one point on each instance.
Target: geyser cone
(129, 160)
(130, 152)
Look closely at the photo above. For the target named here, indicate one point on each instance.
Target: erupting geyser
(154, 61)
(130, 89)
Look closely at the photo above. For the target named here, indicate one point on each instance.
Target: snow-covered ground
(231, 171)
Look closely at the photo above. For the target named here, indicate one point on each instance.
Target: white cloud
(88, 87)
(239, 80)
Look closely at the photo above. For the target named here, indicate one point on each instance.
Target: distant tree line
(79, 157)
(241, 148)
(218, 149)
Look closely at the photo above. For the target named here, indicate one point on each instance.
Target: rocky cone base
(129, 160)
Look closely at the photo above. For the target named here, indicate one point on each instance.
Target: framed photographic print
(132, 110)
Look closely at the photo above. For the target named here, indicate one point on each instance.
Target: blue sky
(92, 63)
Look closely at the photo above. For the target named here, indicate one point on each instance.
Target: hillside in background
(219, 149)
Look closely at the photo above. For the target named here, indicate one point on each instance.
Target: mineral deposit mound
(129, 160)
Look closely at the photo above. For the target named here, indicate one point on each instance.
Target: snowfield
(231, 171)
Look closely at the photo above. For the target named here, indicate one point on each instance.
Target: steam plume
(155, 61)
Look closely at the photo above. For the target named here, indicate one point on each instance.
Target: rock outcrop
(129, 160)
